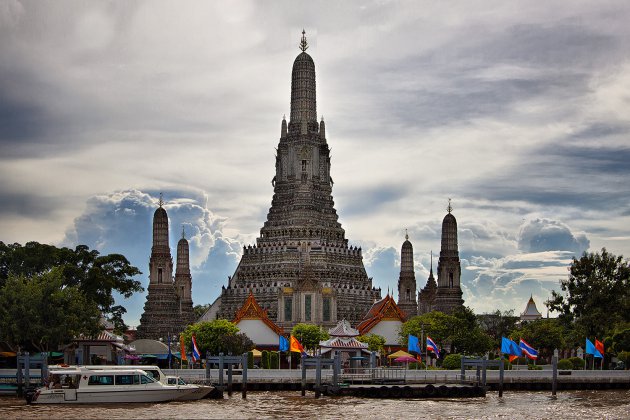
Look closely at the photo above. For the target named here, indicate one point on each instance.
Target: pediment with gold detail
(384, 310)
(252, 310)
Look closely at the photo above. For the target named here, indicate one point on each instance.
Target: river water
(290, 404)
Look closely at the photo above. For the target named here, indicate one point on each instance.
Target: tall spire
(183, 233)
(303, 43)
(303, 95)
(161, 201)
(450, 207)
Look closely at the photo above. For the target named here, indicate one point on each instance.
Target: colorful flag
(413, 344)
(528, 350)
(182, 347)
(599, 346)
(418, 358)
(510, 347)
(591, 349)
(431, 346)
(284, 344)
(295, 346)
(512, 358)
(195, 350)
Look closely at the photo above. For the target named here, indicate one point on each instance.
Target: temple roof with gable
(343, 329)
(342, 343)
(252, 310)
(384, 309)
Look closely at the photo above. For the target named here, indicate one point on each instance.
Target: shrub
(534, 367)
(274, 360)
(452, 361)
(578, 363)
(624, 356)
(250, 360)
(506, 365)
(520, 361)
(565, 364)
(264, 360)
(416, 366)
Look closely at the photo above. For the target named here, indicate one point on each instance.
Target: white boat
(200, 391)
(80, 385)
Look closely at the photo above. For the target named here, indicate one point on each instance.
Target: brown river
(585, 405)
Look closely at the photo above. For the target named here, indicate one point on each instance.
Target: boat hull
(71, 396)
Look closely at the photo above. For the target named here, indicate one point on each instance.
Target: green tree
(544, 334)
(467, 336)
(375, 342)
(498, 324)
(42, 313)
(96, 276)
(438, 325)
(596, 294)
(264, 359)
(621, 340)
(211, 336)
(309, 335)
(274, 360)
(460, 329)
(199, 310)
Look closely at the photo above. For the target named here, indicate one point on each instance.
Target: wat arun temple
(301, 268)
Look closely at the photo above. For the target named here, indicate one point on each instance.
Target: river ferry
(200, 391)
(81, 385)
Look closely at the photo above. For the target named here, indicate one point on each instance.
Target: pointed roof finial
(303, 43)
(183, 232)
(450, 207)
(161, 202)
(284, 117)
(406, 235)
(431, 261)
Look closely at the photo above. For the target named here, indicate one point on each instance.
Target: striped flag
(431, 346)
(195, 350)
(528, 350)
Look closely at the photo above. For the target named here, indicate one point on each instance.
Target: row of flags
(514, 350)
(597, 349)
(510, 348)
(292, 345)
(413, 344)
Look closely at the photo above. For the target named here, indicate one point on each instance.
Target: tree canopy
(40, 312)
(461, 330)
(217, 336)
(375, 342)
(596, 295)
(309, 335)
(96, 277)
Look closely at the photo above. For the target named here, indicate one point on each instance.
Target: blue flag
(413, 344)
(591, 349)
(284, 344)
(510, 347)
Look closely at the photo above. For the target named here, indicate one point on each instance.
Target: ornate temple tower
(426, 297)
(407, 280)
(301, 268)
(449, 293)
(183, 280)
(162, 314)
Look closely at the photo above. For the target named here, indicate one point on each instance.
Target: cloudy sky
(518, 111)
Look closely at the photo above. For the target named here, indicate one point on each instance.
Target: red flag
(418, 357)
(295, 346)
(599, 346)
(512, 358)
(182, 347)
